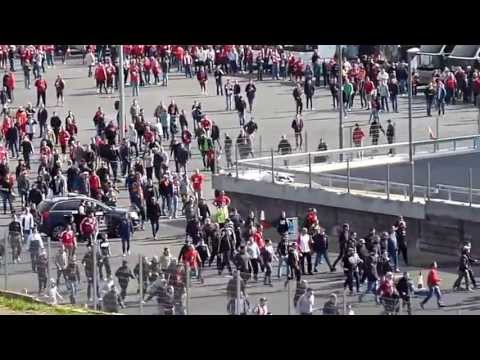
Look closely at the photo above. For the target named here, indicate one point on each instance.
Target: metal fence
(313, 169)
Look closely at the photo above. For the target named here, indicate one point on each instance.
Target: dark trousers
(219, 87)
(402, 249)
(225, 262)
(351, 275)
(155, 226)
(308, 257)
(429, 106)
(309, 100)
(61, 273)
(42, 283)
(461, 275)
(41, 95)
(340, 255)
(105, 263)
(298, 106)
(125, 245)
(254, 268)
(34, 259)
(318, 257)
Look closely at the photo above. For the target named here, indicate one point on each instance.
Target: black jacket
(42, 116)
(55, 122)
(320, 242)
(282, 227)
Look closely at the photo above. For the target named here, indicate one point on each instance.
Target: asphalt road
(274, 110)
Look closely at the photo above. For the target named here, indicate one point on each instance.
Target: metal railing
(310, 168)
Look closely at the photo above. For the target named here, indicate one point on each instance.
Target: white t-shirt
(304, 243)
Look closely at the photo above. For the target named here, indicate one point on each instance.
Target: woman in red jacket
(64, 138)
(433, 282)
(450, 86)
(202, 80)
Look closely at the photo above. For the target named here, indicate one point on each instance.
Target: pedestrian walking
(297, 96)
(297, 126)
(433, 283)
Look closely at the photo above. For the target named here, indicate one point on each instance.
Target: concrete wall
(435, 230)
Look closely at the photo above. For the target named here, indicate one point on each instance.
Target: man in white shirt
(35, 246)
(304, 248)
(28, 223)
(305, 303)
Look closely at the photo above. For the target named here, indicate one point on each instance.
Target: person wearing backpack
(88, 227)
(35, 246)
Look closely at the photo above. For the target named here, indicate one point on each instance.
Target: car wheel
(57, 230)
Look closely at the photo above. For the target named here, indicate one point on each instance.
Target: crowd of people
(154, 164)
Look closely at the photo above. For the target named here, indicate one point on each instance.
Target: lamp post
(121, 92)
(412, 52)
(340, 99)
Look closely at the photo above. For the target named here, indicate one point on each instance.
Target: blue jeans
(318, 258)
(50, 60)
(188, 71)
(393, 99)
(431, 290)
(7, 197)
(371, 288)
(174, 206)
(166, 202)
(275, 71)
(282, 260)
(135, 88)
(164, 79)
(402, 84)
(394, 258)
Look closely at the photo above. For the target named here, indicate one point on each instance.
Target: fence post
(470, 183)
(388, 181)
(310, 171)
(260, 146)
(95, 271)
(236, 160)
(351, 136)
(344, 302)
(140, 274)
(273, 166)
(187, 288)
(454, 145)
(306, 141)
(288, 296)
(428, 180)
(239, 287)
(437, 129)
(348, 175)
(5, 262)
(48, 257)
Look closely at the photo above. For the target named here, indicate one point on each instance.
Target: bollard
(140, 259)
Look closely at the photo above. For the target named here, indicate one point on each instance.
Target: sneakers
(128, 252)
(422, 305)
(124, 255)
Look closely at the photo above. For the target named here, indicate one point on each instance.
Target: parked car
(54, 214)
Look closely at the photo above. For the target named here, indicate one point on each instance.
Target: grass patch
(24, 306)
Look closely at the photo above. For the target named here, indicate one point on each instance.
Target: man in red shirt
(433, 282)
(69, 240)
(94, 182)
(100, 77)
(222, 200)
(357, 138)
(41, 86)
(64, 137)
(197, 183)
(88, 227)
(110, 72)
(368, 87)
(134, 77)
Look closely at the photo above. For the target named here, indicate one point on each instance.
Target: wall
(435, 230)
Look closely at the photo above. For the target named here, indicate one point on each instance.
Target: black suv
(54, 214)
